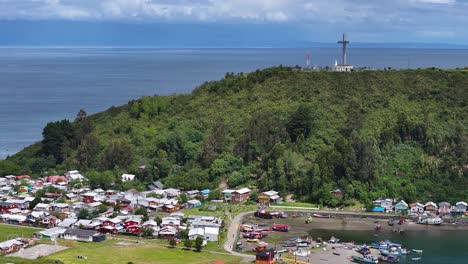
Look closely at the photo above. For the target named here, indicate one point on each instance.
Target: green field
(109, 252)
(11, 231)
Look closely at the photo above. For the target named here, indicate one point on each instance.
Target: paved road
(233, 230)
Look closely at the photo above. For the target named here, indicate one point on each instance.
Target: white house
(207, 233)
(459, 208)
(416, 208)
(42, 207)
(74, 175)
(128, 177)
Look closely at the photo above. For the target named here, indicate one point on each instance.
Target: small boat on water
(365, 259)
(389, 259)
(385, 245)
(253, 240)
(390, 222)
(378, 228)
(420, 251)
(415, 259)
(398, 230)
(321, 216)
(430, 221)
(336, 254)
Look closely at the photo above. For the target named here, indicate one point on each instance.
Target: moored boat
(420, 251)
(430, 221)
(321, 216)
(364, 250)
(389, 259)
(281, 228)
(365, 259)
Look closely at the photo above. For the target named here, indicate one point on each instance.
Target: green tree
(118, 153)
(58, 138)
(83, 214)
(88, 152)
(198, 244)
(34, 202)
(215, 195)
(188, 243)
(172, 243)
(141, 211)
(300, 123)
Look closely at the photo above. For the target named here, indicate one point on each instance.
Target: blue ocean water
(39, 85)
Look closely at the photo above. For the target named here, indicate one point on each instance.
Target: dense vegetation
(400, 134)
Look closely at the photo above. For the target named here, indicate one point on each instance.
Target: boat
(398, 230)
(389, 259)
(385, 245)
(420, 251)
(303, 243)
(395, 251)
(364, 250)
(334, 240)
(253, 240)
(281, 228)
(415, 259)
(390, 222)
(378, 228)
(308, 220)
(430, 221)
(289, 244)
(364, 259)
(321, 216)
(336, 254)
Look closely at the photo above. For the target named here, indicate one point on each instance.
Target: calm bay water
(39, 85)
(439, 246)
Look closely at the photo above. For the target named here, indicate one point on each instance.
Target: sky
(230, 23)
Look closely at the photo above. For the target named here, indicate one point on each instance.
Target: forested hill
(400, 134)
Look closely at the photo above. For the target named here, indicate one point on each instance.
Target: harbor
(324, 239)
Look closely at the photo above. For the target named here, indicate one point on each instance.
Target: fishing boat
(321, 216)
(303, 243)
(420, 251)
(281, 228)
(395, 251)
(365, 259)
(430, 221)
(389, 259)
(336, 254)
(415, 259)
(385, 245)
(364, 250)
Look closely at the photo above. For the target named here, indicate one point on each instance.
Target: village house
(416, 209)
(170, 221)
(43, 207)
(227, 195)
(74, 175)
(50, 234)
(67, 222)
(83, 235)
(167, 232)
(88, 197)
(6, 206)
(444, 208)
(240, 196)
(193, 203)
(55, 179)
(387, 204)
(459, 209)
(10, 246)
(430, 207)
(128, 177)
(207, 233)
(269, 197)
(171, 193)
(192, 194)
(157, 185)
(401, 207)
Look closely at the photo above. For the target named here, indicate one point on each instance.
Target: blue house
(205, 193)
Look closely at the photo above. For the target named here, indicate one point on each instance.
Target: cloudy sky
(232, 22)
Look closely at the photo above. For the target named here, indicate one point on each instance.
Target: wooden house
(88, 197)
(240, 196)
(269, 197)
(227, 195)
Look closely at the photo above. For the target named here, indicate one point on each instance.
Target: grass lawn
(11, 231)
(109, 252)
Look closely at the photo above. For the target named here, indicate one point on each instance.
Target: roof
(266, 252)
(444, 204)
(271, 193)
(461, 203)
(228, 191)
(243, 190)
(194, 201)
(80, 232)
(212, 230)
(430, 204)
(403, 203)
(206, 191)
